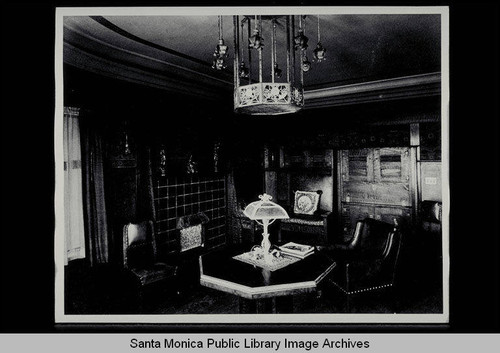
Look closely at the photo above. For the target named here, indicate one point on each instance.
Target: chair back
(139, 246)
(191, 231)
(377, 247)
(431, 215)
(374, 239)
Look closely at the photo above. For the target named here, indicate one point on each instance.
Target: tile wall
(176, 197)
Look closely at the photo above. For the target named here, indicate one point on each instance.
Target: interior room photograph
(223, 162)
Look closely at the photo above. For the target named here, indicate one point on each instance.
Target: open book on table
(298, 250)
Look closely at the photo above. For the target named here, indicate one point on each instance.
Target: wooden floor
(210, 301)
(420, 291)
(201, 300)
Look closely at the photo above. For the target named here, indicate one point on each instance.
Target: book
(297, 250)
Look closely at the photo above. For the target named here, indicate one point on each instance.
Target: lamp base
(266, 254)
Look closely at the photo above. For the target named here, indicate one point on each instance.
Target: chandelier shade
(265, 81)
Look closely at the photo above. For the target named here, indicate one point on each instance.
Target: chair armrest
(167, 266)
(343, 247)
(324, 214)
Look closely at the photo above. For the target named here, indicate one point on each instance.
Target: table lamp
(266, 211)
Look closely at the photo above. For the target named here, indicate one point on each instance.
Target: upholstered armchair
(139, 257)
(429, 242)
(307, 219)
(368, 261)
(431, 214)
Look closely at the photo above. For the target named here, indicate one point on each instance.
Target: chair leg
(348, 303)
(348, 296)
(140, 301)
(247, 306)
(394, 300)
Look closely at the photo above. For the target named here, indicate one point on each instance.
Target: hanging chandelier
(220, 52)
(320, 51)
(268, 80)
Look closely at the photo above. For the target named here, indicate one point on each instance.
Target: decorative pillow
(306, 202)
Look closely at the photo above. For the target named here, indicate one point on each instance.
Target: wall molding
(424, 85)
(91, 54)
(159, 71)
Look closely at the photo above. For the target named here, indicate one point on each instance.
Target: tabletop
(220, 271)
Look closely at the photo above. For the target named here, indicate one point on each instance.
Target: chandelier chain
(220, 27)
(275, 56)
(242, 39)
(319, 35)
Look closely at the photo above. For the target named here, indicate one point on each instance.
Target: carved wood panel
(375, 183)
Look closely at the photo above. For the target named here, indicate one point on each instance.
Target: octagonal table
(260, 290)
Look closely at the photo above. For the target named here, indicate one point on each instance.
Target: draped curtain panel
(96, 220)
(145, 195)
(74, 238)
(234, 210)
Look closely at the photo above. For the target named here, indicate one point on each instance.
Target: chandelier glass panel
(268, 77)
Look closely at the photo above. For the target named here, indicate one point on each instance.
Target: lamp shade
(265, 209)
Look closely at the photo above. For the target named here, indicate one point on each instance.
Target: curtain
(145, 196)
(74, 238)
(233, 209)
(96, 220)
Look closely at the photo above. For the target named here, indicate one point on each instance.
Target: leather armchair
(431, 215)
(429, 241)
(368, 261)
(139, 257)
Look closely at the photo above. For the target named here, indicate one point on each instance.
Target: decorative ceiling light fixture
(244, 71)
(256, 41)
(284, 94)
(300, 39)
(301, 43)
(276, 72)
(220, 51)
(320, 51)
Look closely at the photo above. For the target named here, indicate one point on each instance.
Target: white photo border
(61, 317)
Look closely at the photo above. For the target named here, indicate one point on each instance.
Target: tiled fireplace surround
(176, 197)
